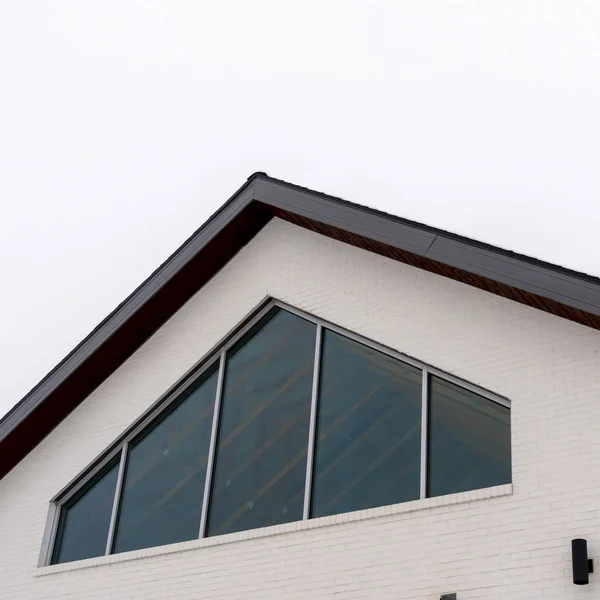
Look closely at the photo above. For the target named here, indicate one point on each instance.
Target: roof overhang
(548, 287)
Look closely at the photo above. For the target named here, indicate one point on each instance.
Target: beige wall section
(505, 547)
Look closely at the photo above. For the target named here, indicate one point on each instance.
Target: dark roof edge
(435, 230)
(107, 327)
(571, 288)
(568, 287)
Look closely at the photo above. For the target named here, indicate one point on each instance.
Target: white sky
(124, 124)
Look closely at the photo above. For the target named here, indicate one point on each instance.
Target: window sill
(360, 515)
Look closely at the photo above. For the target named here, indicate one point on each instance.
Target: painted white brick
(509, 543)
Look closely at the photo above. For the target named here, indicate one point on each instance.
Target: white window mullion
(310, 454)
(424, 432)
(213, 445)
(117, 500)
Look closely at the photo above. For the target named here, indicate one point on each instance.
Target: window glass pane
(84, 522)
(261, 453)
(166, 470)
(469, 440)
(368, 429)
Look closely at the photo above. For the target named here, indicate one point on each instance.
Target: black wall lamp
(582, 565)
(448, 597)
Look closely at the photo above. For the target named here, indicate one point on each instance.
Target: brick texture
(509, 543)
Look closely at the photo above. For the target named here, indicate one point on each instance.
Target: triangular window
(291, 419)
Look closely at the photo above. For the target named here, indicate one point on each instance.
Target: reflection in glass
(469, 440)
(368, 429)
(261, 451)
(166, 470)
(367, 448)
(84, 522)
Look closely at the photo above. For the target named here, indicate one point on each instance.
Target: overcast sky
(125, 124)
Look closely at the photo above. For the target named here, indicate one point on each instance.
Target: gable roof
(554, 289)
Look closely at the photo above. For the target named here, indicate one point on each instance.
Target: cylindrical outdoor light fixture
(582, 566)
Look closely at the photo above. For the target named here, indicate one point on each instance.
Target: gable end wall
(509, 544)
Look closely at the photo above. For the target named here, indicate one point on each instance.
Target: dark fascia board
(571, 288)
(111, 324)
(565, 286)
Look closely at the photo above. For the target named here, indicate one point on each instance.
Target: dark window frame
(216, 359)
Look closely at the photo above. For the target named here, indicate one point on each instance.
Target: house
(314, 399)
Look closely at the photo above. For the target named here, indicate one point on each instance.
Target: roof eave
(549, 287)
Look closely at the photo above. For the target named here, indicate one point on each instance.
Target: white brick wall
(509, 543)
